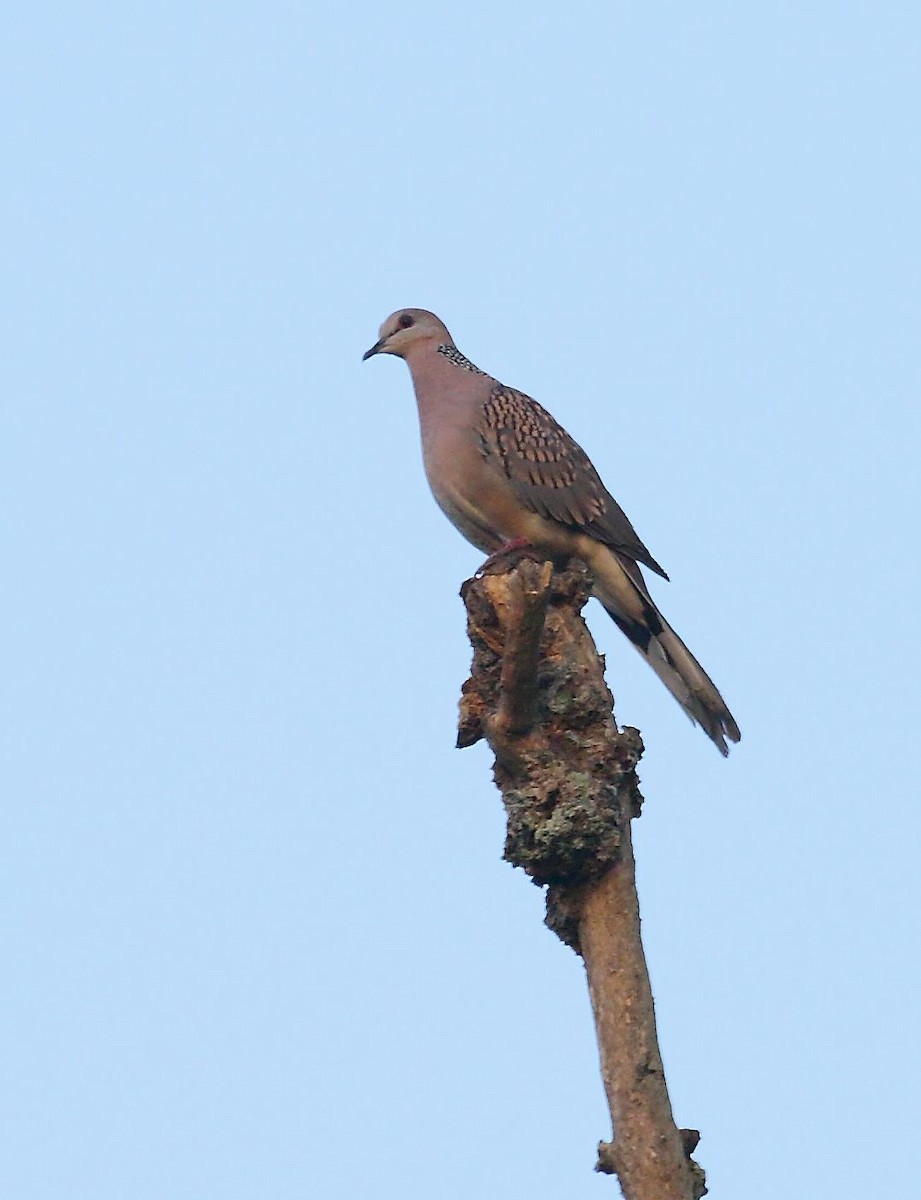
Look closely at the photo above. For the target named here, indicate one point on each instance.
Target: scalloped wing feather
(552, 475)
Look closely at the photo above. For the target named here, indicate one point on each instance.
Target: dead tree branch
(567, 776)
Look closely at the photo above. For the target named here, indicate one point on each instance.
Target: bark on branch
(567, 776)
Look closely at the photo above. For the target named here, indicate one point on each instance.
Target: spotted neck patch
(453, 355)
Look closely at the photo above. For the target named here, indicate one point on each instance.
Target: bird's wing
(552, 475)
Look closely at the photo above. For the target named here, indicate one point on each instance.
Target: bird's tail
(620, 587)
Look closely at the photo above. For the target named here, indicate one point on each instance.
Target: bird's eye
(406, 321)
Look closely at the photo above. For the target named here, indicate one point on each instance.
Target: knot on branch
(537, 694)
(611, 1162)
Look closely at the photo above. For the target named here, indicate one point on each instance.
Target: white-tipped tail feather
(620, 587)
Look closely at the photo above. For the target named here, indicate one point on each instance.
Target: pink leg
(506, 548)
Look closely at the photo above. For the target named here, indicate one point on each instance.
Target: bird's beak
(375, 349)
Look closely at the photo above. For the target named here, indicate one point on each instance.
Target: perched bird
(508, 475)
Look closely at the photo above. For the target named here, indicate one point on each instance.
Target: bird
(509, 476)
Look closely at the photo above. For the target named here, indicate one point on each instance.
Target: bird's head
(407, 329)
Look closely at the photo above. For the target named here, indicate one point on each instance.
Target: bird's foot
(498, 557)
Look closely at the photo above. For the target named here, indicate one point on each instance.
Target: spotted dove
(505, 472)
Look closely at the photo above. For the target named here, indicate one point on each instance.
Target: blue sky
(258, 939)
